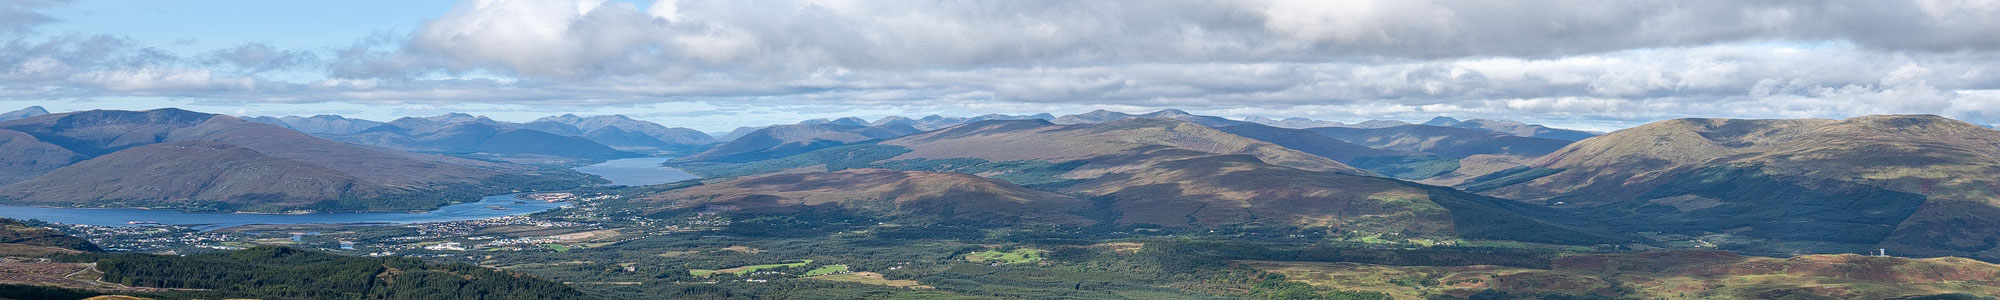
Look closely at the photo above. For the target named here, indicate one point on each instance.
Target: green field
(739, 271)
(826, 270)
(558, 248)
(1022, 255)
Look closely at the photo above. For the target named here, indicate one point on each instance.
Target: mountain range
(568, 135)
(181, 159)
(1915, 184)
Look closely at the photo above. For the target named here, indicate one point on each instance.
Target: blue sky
(715, 65)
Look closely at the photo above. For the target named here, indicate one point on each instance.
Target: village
(579, 225)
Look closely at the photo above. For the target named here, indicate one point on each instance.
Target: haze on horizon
(715, 65)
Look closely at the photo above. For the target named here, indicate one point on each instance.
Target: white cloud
(1581, 61)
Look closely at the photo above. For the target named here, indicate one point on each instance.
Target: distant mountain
(1303, 123)
(1393, 163)
(491, 138)
(786, 140)
(1009, 141)
(174, 158)
(931, 197)
(1101, 116)
(1513, 128)
(623, 132)
(1478, 152)
(320, 124)
(1293, 122)
(935, 122)
(24, 113)
(849, 121)
(462, 133)
(1915, 184)
(1444, 141)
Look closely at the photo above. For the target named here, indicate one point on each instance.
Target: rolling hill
(1164, 172)
(21, 239)
(909, 195)
(1914, 184)
(1398, 164)
(174, 158)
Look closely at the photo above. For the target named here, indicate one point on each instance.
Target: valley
(1166, 205)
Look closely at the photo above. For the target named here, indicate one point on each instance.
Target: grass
(557, 247)
(740, 271)
(827, 270)
(1022, 255)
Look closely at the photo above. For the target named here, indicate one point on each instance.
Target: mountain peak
(24, 113)
(1442, 121)
(1168, 113)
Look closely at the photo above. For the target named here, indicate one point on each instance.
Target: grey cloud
(1583, 62)
(588, 39)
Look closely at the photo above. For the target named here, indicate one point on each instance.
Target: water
(635, 171)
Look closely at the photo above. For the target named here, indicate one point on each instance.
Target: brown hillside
(1041, 141)
(184, 159)
(1915, 184)
(922, 195)
(184, 173)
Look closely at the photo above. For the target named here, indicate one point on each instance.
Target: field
(873, 278)
(827, 270)
(1022, 255)
(739, 271)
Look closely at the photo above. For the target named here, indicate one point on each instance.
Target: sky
(717, 65)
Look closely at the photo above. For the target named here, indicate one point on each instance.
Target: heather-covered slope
(1919, 185)
(181, 159)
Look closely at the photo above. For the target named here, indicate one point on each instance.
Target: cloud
(1565, 60)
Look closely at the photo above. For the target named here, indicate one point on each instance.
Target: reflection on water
(635, 171)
